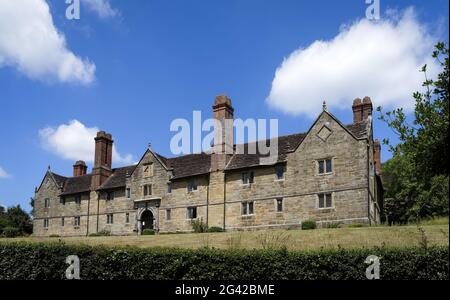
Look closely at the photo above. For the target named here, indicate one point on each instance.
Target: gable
(52, 180)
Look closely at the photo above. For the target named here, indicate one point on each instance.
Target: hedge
(47, 261)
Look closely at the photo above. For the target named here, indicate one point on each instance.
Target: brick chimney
(377, 156)
(102, 159)
(79, 168)
(223, 132)
(362, 109)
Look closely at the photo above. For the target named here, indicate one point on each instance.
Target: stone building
(329, 174)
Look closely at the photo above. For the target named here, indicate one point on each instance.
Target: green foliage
(11, 232)
(416, 179)
(17, 218)
(215, 229)
(333, 225)
(47, 261)
(199, 226)
(100, 233)
(309, 224)
(148, 232)
(54, 236)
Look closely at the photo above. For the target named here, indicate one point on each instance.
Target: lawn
(396, 236)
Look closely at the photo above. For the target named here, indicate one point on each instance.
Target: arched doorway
(147, 220)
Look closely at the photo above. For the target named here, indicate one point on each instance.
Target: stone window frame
(282, 205)
(109, 219)
(325, 203)
(46, 223)
(128, 193)
(76, 221)
(324, 160)
(169, 187)
(149, 172)
(247, 178)
(192, 186)
(276, 173)
(188, 215)
(245, 208)
(145, 191)
(47, 203)
(127, 218)
(168, 215)
(77, 199)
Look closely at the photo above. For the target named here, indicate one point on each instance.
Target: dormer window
(279, 172)
(148, 170)
(248, 178)
(192, 186)
(78, 199)
(110, 196)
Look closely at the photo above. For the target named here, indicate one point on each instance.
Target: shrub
(11, 232)
(198, 226)
(309, 224)
(100, 233)
(47, 261)
(148, 232)
(54, 236)
(333, 225)
(215, 229)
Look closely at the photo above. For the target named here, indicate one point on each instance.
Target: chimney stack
(79, 168)
(377, 156)
(103, 159)
(223, 132)
(362, 109)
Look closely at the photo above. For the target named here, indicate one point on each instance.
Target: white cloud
(30, 43)
(3, 174)
(377, 59)
(101, 7)
(75, 141)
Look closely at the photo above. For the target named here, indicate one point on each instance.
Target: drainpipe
(368, 183)
(88, 215)
(98, 210)
(224, 199)
(207, 201)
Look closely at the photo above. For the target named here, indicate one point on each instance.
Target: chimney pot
(79, 168)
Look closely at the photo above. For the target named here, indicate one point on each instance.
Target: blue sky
(156, 61)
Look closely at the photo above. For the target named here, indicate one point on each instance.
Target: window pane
(250, 208)
(321, 167)
(194, 213)
(329, 166)
(244, 178)
(252, 177)
(321, 201)
(329, 204)
(244, 208)
(280, 173)
(279, 205)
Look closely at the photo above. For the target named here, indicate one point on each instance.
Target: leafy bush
(148, 232)
(309, 224)
(54, 235)
(11, 232)
(215, 229)
(333, 225)
(100, 233)
(48, 261)
(198, 226)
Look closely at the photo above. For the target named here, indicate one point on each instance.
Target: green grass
(332, 238)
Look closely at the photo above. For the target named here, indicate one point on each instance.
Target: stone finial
(324, 106)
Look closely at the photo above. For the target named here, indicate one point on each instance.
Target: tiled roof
(189, 165)
(195, 164)
(76, 185)
(285, 144)
(118, 178)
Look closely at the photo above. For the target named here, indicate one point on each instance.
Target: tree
(417, 175)
(18, 218)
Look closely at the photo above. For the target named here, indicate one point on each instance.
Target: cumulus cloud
(102, 7)
(378, 59)
(74, 141)
(3, 174)
(30, 42)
